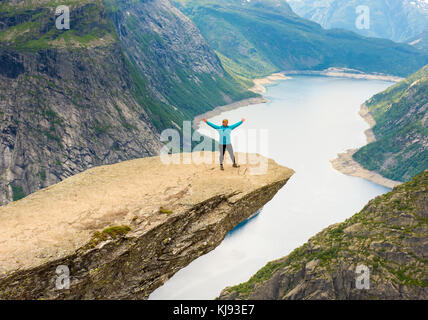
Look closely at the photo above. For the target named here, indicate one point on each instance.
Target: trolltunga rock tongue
(122, 230)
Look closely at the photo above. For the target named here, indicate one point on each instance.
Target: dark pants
(222, 149)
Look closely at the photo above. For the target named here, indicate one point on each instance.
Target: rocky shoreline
(259, 84)
(366, 115)
(346, 73)
(346, 164)
(259, 88)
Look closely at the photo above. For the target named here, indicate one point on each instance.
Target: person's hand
(204, 120)
(243, 119)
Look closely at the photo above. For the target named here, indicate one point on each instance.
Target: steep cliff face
(124, 229)
(168, 49)
(80, 115)
(388, 237)
(100, 92)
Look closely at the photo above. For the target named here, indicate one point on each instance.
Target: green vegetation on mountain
(31, 25)
(401, 113)
(32, 28)
(256, 38)
(100, 92)
(388, 236)
(191, 83)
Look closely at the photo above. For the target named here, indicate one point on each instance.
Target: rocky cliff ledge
(124, 229)
(389, 237)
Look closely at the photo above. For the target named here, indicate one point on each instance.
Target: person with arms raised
(224, 141)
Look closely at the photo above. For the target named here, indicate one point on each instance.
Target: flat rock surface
(55, 221)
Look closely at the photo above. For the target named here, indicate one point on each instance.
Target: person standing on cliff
(224, 142)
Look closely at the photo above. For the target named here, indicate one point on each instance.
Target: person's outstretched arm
(212, 125)
(236, 125)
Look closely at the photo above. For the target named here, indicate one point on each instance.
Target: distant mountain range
(401, 113)
(255, 38)
(398, 20)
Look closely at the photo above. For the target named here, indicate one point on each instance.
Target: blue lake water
(309, 120)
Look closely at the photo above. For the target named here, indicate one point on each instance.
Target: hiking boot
(221, 167)
(235, 165)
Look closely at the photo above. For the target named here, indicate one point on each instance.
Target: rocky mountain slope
(256, 38)
(388, 237)
(400, 149)
(397, 20)
(124, 229)
(420, 41)
(100, 92)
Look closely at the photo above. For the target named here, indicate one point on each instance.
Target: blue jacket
(224, 131)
